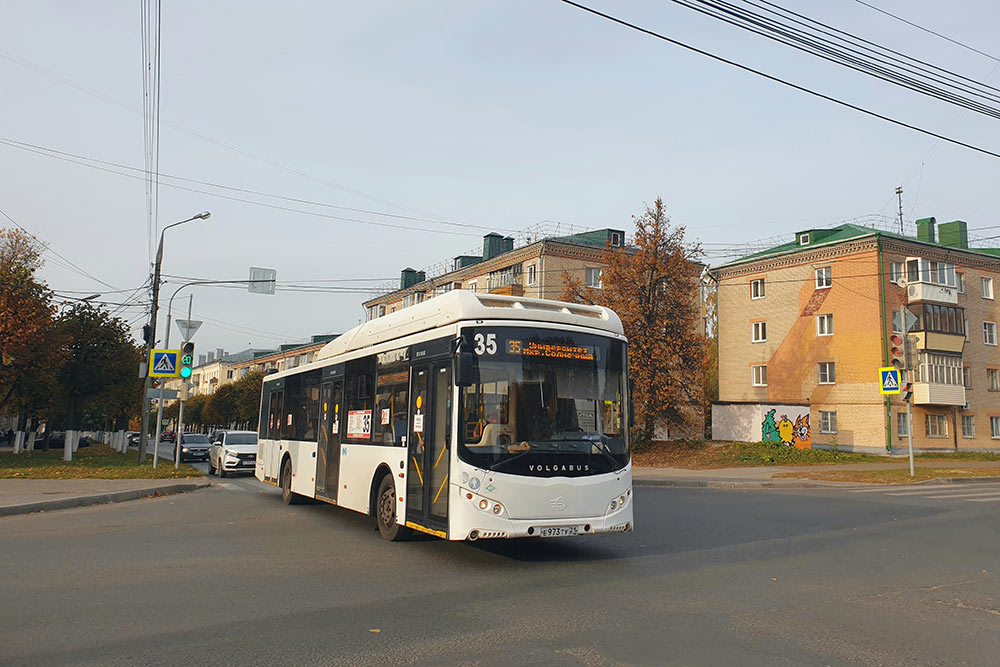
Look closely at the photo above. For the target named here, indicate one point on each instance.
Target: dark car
(167, 436)
(133, 439)
(194, 447)
(58, 439)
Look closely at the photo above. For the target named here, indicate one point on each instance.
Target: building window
(229, 375)
(759, 332)
(939, 368)
(803, 239)
(757, 289)
(902, 424)
(936, 426)
(594, 278)
(824, 277)
(960, 279)
(472, 286)
(896, 271)
(617, 239)
(827, 374)
(942, 319)
(968, 426)
(995, 427)
(827, 421)
(986, 287)
(967, 377)
(993, 379)
(990, 333)
(759, 376)
(532, 274)
(824, 325)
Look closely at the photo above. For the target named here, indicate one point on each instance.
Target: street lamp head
(90, 298)
(204, 215)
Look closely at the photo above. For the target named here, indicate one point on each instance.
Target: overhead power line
(928, 30)
(776, 79)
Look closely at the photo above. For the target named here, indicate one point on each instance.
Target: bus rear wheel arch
(384, 509)
(288, 496)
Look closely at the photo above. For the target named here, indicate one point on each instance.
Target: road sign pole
(906, 357)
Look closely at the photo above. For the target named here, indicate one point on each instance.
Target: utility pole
(179, 439)
(899, 197)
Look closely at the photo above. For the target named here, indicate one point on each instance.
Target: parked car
(194, 447)
(167, 436)
(133, 439)
(58, 439)
(232, 451)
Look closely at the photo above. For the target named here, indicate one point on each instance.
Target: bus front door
(429, 445)
(328, 451)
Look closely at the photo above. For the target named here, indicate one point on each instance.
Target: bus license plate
(559, 531)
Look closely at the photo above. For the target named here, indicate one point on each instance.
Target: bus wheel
(385, 512)
(288, 496)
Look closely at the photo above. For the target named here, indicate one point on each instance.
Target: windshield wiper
(513, 458)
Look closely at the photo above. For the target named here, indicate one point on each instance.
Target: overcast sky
(488, 115)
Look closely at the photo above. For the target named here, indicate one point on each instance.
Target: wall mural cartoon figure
(786, 430)
(783, 430)
(768, 429)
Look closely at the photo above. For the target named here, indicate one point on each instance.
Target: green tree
(654, 286)
(220, 410)
(247, 398)
(193, 409)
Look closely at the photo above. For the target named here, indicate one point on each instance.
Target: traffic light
(907, 390)
(146, 331)
(187, 359)
(897, 355)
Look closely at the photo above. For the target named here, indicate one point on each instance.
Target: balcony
(932, 393)
(941, 342)
(922, 291)
(513, 289)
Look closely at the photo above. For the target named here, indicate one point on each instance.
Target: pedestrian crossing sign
(889, 380)
(163, 363)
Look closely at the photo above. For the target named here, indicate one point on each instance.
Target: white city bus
(467, 416)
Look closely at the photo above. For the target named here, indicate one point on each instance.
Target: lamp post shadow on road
(151, 340)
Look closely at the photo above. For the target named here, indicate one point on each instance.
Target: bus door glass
(275, 413)
(429, 445)
(328, 454)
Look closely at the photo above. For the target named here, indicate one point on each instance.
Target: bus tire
(385, 512)
(288, 496)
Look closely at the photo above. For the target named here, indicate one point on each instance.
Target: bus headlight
(617, 503)
(497, 508)
(484, 504)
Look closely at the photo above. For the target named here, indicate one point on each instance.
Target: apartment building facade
(805, 326)
(533, 270)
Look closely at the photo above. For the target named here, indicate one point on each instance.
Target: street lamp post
(143, 437)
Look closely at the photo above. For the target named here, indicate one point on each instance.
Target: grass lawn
(96, 461)
(896, 476)
(703, 455)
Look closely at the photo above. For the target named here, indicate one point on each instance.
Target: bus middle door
(429, 445)
(328, 450)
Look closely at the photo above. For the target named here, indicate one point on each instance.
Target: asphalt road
(229, 575)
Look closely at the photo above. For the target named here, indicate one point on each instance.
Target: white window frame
(990, 333)
(940, 426)
(617, 239)
(897, 270)
(992, 379)
(804, 239)
(757, 289)
(969, 433)
(902, 424)
(986, 287)
(472, 286)
(960, 281)
(824, 277)
(827, 421)
(758, 332)
(966, 377)
(758, 375)
(995, 428)
(532, 274)
(831, 372)
(824, 325)
(588, 273)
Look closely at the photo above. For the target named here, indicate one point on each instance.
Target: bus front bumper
(478, 525)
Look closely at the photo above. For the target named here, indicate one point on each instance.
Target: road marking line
(962, 489)
(982, 500)
(968, 495)
(878, 490)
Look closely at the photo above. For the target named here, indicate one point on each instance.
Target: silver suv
(232, 452)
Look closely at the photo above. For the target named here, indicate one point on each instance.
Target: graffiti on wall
(785, 431)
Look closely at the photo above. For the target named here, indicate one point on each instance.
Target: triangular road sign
(188, 328)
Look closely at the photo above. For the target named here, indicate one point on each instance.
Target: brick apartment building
(805, 326)
(533, 270)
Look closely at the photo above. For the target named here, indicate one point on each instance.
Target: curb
(100, 498)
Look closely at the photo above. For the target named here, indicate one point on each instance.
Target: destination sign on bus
(550, 350)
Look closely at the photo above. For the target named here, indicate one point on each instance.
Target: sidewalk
(763, 476)
(22, 496)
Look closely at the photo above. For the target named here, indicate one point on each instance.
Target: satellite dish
(901, 282)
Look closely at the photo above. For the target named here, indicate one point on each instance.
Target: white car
(232, 452)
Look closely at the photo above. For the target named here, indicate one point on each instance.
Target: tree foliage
(654, 286)
(31, 349)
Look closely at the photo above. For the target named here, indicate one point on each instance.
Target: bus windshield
(544, 403)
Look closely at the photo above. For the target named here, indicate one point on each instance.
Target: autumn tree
(31, 352)
(246, 394)
(220, 410)
(654, 286)
(193, 409)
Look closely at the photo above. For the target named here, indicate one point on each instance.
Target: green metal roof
(846, 232)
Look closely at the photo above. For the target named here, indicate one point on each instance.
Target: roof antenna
(899, 196)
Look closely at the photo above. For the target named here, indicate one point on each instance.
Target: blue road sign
(163, 363)
(888, 380)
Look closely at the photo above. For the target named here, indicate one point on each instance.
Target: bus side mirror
(464, 371)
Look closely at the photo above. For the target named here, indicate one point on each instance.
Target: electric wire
(776, 79)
